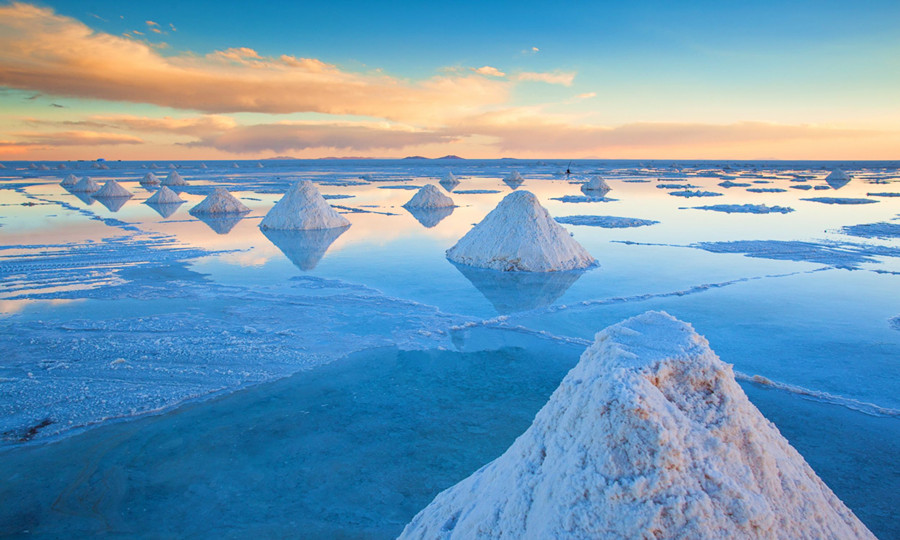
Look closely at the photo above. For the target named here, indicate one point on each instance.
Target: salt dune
(303, 208)
(648, 436)
(519, 235)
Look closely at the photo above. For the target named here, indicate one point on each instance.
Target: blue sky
(831, 64)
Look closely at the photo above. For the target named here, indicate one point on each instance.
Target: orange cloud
(195, 126)
(491, 71)
(43, 51)
(557, 77)
(75, 138)
(284, 137)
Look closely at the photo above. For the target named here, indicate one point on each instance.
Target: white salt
(164, 196)
(514, 178)
(596, 185)
(174, 179)
(648, 436)
(429, 197)
(303, 208)
(69, 180)
(85, 185)
(150, 179)
(112, 189)
(520, 235)
(220, 202)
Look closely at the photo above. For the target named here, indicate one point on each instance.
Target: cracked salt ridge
(674, 427)
(607, 222)
(172, 363)
(743, 208)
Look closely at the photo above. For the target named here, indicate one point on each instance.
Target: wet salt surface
(115, 312)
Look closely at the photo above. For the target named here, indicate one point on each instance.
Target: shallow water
(402, 372)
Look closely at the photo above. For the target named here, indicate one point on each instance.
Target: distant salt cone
(235, 166)
(596, 186)
(43, 167)
(429, 197)
(174, 179)
(2, 166)
(513, 179)
(648, 436)
(154, 166)
(149, 179)
(259, 165)
(837, 179)
(164, 196)
(449, 181)
(112, 190)
(303, 208)
(519, 235)
(203, 166)
(172, 166)
(85, 185)
(32, 166)
(61, 166)
(69, 180)
(220, 202)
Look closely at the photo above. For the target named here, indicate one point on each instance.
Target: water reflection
(113, 204)
(429, 217)
(83, 197)
(221, 224)
(165, 209)
(838, 182)
(304, 248)
(510, 292)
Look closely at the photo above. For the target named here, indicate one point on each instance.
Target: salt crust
(520, 235)
(429, 197)
(303, 208)
(164, 196)
(596, 185)
(648, 436)
(220, 202)
(112, 190)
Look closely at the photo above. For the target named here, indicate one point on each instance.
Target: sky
(87, 79)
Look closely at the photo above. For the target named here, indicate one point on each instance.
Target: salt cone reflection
(221, 223)
(83, 197)
(511, 292)
(304, 248)
(429, 217)
(113, 204)
(165, 209)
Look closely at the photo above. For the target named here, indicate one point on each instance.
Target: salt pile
(514, 178)
(303, 208)
(112, 190)
(164, 196)
(449, 181)
(596, 185)
(32, 166)
(61, 166)
(2, 166)
(837, 179)
(154, 166)
(259, 165)
(220, 202)
(86, 185)
(69, 180)
(520, 235)
(235, 166)
(429, 197)
(648, 436)
(174, 179)
(43, 167)
(150, 179)
(203, 166)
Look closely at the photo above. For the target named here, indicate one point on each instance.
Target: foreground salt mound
(164, 196)
(85, 185)
(69, 180)
(648, 436)
(150, 179)
(112, 190)
(303, 208)
(174, 179)
(596, 185)
(429, 197)
(520, 235)
(220, 202)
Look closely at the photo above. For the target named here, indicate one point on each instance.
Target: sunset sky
(249, 80)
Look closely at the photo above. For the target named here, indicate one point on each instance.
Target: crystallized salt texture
(514, 178)
(648, 436)
(174, 179)
(429, 197)
(69, 180)
(112, 190)
(150, 179)
(303, 208)
(520, 235)
(164, 196)
(86, 185)
(596, 185)
(220, 202)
